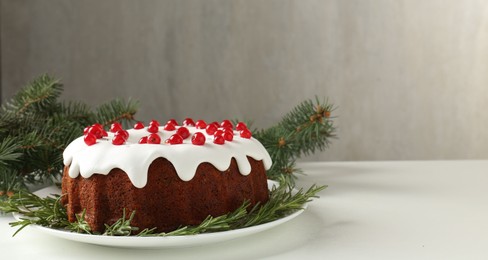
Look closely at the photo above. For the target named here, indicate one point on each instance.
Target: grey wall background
(409, 77)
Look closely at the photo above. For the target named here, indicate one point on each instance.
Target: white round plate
(158, 242)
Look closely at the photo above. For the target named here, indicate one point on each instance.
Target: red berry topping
(183, 132)
(169, 126)
(241, 126)
(216, 124)
(154, 122)
(90, 139)
(219, 132)
(175, 139)
(245, 133)
(172, 121)
(153, 129)
(104, 133)
(198, 139)
(153, 139)
(99, 126)
(115, 127)
(143, 140)
(188, 122)
(96, 131)
(218, 139)
(118, 140)
(210, 129)
(200, 124)
(228, 129)
(227, 123)
(228, 136)
(85, 131)
(122, 133)
(139, 125)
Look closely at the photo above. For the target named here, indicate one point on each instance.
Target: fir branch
(39, 95)
(9, 151)
(306, 128)
(77, 112)
(115, 111)
(48, 212)
(9, 184)
(35, 127)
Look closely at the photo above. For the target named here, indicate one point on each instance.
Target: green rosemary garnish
(49, 212)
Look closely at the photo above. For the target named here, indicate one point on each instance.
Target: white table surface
(371, 210)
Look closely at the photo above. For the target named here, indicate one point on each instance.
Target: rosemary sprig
(212, 224)
(48, 212)
(282, 202)
(80, 225)
(121, 227)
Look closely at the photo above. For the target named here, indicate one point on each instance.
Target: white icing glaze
(134, 158)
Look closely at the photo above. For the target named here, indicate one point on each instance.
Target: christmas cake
(171, 175)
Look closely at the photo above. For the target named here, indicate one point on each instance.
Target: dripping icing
(134, 158)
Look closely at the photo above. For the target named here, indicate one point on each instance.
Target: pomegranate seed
(99, 126)
(228, 129)
(218, 139)
(169, 127)
(172, 121)
(96, 131)
(104, 133)
(122, 133)
(154, 122)
(188, 122)
(210, 129)
(115, 127)
(118, 140)
(139, 125)
(227, 123)
(228, 136)
(153, 139)
(90, 139)
(241, 126)
(143, 140)
(153, 129)
(200, 124)
(85, 131)
(183, 132)
(175, 139)
(216, 124)
(198, 139)
(219, 132)
(245, 133)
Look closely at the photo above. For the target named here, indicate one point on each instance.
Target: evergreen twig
(305, 129)
(35, 127)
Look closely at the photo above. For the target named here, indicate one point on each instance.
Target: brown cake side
(166, 202)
